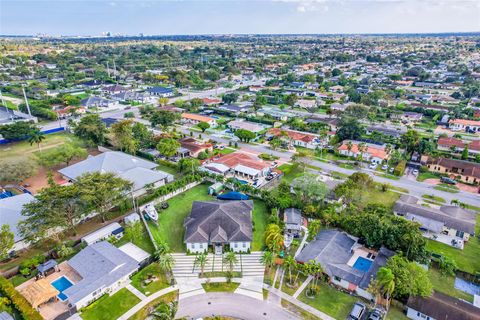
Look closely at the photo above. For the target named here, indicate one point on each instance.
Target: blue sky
(160, 17)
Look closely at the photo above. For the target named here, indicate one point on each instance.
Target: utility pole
(115, 70)
(26, 102)
(108, 70)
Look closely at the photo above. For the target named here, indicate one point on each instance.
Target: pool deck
(360, 252)
(51, 310)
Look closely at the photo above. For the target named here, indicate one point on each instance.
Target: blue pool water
(61, 284)
(362, 264)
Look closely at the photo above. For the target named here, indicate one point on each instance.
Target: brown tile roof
(196, 117)
(233, 159)
(448, 142)
(294, 135)
(194, 145)
(469, 168)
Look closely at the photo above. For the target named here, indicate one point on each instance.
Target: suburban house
(65, 112)
(190, 147)
(464, 125)
(296, 138)
(448, 224)
(441, 307)
(464, 171)
(370, 152)
(306, 104)
(11, 214)
(112, 230)
(219, 224)
(160, 92)
(246, 125)
(239, 165)
(193, 118)
(292, 217)
(348, 264)
(391, 131)
(98, 102)
(134, 169)
(211, 101)
(449, 144)
(235, 108)
(114, 89)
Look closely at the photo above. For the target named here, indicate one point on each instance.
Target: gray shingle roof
(293, 217)
(100, 265)
(11, 211)
(333, 249)
(219, 221)
(451, 216)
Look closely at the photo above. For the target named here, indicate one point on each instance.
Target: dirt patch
(467, 188)
(432, 181)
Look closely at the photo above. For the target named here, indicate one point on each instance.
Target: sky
(167, 17)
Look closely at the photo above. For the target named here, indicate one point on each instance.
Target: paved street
(232, 305)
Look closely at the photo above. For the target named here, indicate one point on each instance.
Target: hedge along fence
(18, 301)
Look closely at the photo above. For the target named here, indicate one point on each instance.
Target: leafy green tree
(275, 143)
(230, 97)
(166, 263)
(203, 126)
(164, 119)
(349, 128)
(102, 191)
(134, 232)
(122, 136)
(267, 259)
(188, 165)
(91, 129)
(62, 154)
(164, 311)
(386, 282)
(7, 240)
(231, 260)
(36, 137)
(291, 99)
(410, 278)
(273, 238)
(142, 135)
(309, 188)
(245, 135)
(168, 147)
(465, 153)
(17, 130)
(290, 264)
(410, 140)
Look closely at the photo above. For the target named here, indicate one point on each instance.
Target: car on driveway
(415, 172)
(373, 166)
(357, 312)
(385, 167)
(376, 314)
(448, 180)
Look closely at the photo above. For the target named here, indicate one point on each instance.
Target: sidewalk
(298, 303)
(148, 299)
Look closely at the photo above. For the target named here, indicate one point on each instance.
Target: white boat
(287, 240)
(151, 212)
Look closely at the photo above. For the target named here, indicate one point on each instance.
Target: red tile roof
(294, 135)
(233, 159)
(448, 142)
(373, 151)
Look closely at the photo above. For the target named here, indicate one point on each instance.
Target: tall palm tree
(386, 282)
(201, 260)
(162, 249)
(36, 137)
(314, 269)
(291, 265)
(166, 263)
(165, 311)
(231, 259)
(267, 259)
(349, 147)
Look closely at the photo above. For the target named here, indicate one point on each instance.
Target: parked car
(391, 170)
(448, 180)
(376, 314)
(373, 166)
(385, 167)
(357, 312)
(415, 172)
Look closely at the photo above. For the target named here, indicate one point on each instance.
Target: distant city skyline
(176, 17)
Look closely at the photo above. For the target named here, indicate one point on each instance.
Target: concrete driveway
(231, 305)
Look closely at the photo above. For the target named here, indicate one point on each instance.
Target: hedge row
(400, 168)
(18, 301)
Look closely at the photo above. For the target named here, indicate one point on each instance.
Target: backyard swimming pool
(62, 284)
(362, 264)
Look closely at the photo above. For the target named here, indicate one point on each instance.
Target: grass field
(110, 307)
(376, 196)
(395, 313)
(143, 313)
(446, 285)
(260, 217)
(290, 171)
(220, 286)
(143, 242)
(427, 175)
(152, 270)
(466, 259)
(331, 301)
(433, 198)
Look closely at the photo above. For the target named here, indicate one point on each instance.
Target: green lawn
(167, 169)
(290, 171)
(260, 218)
(110, 307)
(375, 196)
(170, 222)
(466, 259)
(446, 285)
(427, 175)
(433, 198)
(224, 151)
(333, 302)
(144, 242)
(143, 313)
(220, 286)
(396, 313)
(153, 270)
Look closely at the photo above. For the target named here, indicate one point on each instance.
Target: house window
(201, 245)
(244, 245)
(235, 245)
(337, 278)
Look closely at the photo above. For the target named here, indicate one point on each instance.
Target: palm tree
(386, 283)
(166, 263)
(201, 260)
(349, 147)
(36, 137)
(313, 269)
(290, 264)
(162, 249)
(231, 259)
(267, 259)
(273, 237)
(165, 311)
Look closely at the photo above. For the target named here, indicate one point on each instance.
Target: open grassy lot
(290, 171)
(110, 307)
(446, 284)
(375, 196)
(220, 286)
(170, 221)
(159, 281)
(144, 312)
(333, 302)
(466, 259)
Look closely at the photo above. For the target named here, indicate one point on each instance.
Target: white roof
(101, 233)
(246, 170)
(217, 167)
(133, 217)
(134, 252)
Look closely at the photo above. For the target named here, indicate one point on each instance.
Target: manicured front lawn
(170, 221)
(150, 279)
(143, 242)
(145, 311)
(110, 307)
(375, 196)
(333, 302)
(466, 259)
(446, 285)
(427, 175)
(290, 171)
(220, 286)
(260, 218)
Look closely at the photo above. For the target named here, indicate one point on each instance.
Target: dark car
(448, 180)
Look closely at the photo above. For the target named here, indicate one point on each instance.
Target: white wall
(415, 315)
(239, 246)
(197, 247)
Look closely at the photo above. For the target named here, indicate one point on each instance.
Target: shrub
(20, 303)
(400, 168)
